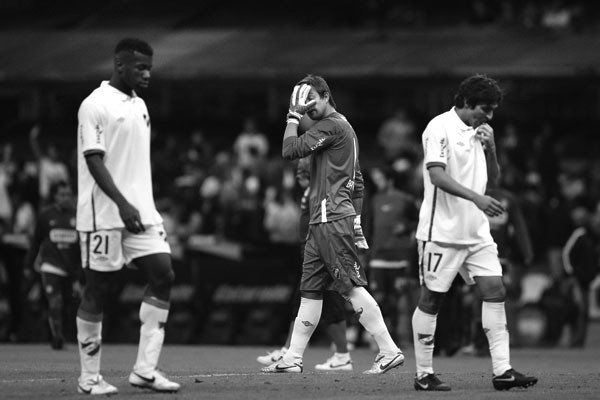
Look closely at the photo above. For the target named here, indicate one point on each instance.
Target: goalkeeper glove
(298, 103)
(359, 238)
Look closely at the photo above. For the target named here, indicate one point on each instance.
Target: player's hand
(131, 218)
(490, 206)
(359, 238)
(299, 104)
(485, 133)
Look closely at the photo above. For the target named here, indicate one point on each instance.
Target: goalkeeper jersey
(335, 177)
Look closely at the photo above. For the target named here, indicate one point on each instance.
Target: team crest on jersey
(147, 119)
(336, 273)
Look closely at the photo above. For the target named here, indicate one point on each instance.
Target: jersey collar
(458, 122)
(106, 85)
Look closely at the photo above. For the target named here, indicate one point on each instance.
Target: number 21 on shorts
(104, 250)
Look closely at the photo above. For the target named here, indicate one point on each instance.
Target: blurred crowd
(248, 194)
(571, 15)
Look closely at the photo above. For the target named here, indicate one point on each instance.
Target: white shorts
(110, 250)
(440, 262)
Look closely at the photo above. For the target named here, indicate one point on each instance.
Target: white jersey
(117, 125)
(450, 143)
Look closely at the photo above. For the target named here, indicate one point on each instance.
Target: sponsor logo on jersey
(318, 144)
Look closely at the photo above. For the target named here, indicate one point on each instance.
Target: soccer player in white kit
(117, 220)
(454, 232)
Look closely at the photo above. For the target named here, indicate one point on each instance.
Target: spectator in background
(251, 147)
(397, 137)
(581, 261)
(56, 241)
(393, 256)
(51, 168)
(7, 171)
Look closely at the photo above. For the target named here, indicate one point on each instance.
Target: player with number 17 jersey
(116, 125)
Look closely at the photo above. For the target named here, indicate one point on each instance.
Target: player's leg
(349, 279)
(153, 314)
(484, 265)
(53, 285)
(314, 279)
(438, 266)
(89, 331)
(277, 354)
(333, 318)
(102, 258)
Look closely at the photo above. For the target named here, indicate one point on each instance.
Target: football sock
(305, 324)
(89, 336)
(423, 325)
(369, 316)
(153, 317)
(493, 319)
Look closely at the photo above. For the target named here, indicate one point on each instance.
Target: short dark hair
(478, 89)
(320, 86)
(133, 44)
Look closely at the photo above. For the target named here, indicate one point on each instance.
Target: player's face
(480, 114)
(318, 110)
(136, 69)
(64, 197)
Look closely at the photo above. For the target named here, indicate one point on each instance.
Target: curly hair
(478, 89)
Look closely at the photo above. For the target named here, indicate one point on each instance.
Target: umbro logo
(307, 323)
(425, 339)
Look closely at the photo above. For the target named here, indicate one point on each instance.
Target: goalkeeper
(334, 237)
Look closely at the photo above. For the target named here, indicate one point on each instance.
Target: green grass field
(217, 372)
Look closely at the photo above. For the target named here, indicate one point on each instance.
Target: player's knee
(313, 295)
(92, 299)
(430, 302)
(163, 281)
(494, 294)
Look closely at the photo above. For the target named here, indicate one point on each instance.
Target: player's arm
(485, 133)
(440, 179)
(299, 105)
(129, 214)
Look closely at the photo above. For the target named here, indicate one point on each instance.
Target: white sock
(423, 325)
(369, 316)
(493, 319)
(305, 324)
(89, 336)
(153, 316)
(342, 356)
